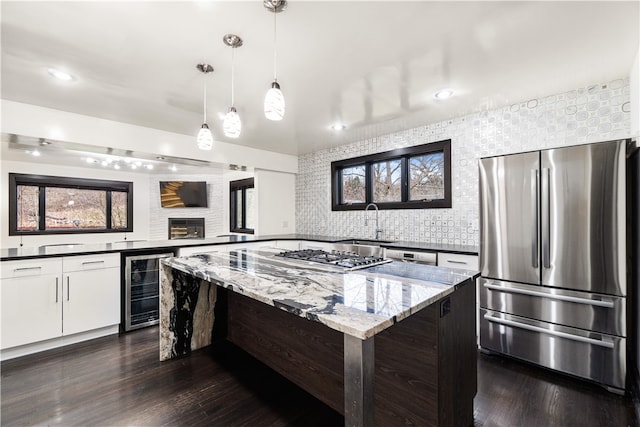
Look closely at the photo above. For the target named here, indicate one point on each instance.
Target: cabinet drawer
(586, 354)
(465, 262)
(600, 313)
(90, 262)
(190, 250)
(31, 267)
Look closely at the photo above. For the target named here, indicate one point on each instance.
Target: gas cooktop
(346, 260)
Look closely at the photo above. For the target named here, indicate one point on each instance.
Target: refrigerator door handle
(597, 303)
(535, 188)
(539, 329)
(546, 218)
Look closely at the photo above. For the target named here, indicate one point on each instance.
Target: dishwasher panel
(429, 258)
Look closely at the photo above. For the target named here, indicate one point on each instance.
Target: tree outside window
(417, 177)
(60, 205)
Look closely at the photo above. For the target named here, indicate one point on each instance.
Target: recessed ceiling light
(443, 94)
(338, 126)
(116, 166)
(59, 74)
(160, 158)
(173, 168)
(149, 167)
(35, 153)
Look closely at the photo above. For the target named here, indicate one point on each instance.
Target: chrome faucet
(378, 229)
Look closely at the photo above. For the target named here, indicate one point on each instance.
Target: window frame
(44, 181)
(404, 154)
(239, 185)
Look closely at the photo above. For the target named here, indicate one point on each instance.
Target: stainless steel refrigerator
(553, 280)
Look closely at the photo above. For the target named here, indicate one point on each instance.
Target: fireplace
(186, 228)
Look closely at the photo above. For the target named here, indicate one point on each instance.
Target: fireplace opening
(186, 228)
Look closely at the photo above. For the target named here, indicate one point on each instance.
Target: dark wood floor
(119, 381)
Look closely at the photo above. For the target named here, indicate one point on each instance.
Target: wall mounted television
(183, 194)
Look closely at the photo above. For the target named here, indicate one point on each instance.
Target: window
(242, 206)
(408, 178)
(59, 205)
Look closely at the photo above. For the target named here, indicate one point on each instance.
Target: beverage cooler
(141, 288)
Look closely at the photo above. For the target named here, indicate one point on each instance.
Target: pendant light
(274, 100)
(232, 124)
(205, 137)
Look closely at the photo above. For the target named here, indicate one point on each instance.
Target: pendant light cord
(205, 100)
(233, 48)
(275, 54)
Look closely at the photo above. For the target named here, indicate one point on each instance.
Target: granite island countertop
(359, 303)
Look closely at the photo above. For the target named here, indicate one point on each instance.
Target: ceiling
(373, 65)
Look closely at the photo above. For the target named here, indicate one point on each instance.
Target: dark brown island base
(389, 345)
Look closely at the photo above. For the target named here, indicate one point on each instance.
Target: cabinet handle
(56, 290)
(546, 218)
(93, 262)
(67, 288)
(535, 189)
(27, 268)
(567, 298)
(456, 262)
(507, 322)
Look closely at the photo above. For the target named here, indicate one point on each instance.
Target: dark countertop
(45, 251)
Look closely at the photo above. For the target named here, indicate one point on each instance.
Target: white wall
(140, 204)
(40, 122)
(276, 202)
(634, 83)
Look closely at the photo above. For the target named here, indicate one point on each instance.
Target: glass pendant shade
(205, 138)
(232, 124)
(274, 103)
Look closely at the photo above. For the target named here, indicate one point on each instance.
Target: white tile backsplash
(590, 114)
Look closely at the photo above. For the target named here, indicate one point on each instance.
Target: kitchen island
(387, 345)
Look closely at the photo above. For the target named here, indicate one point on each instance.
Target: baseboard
(23, 350)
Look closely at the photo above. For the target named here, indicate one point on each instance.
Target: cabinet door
(316, 245)
(31, 309)
(91, 299)
(460, 261)
(290, 245)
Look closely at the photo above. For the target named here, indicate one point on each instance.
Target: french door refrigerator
(552, 259)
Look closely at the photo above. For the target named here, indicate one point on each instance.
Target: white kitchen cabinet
(31, 301)
(460, 261)
(304, 244)
(289, 245)
(190, 250)
(91, 292)
(50, 302)
(464, 262)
